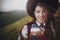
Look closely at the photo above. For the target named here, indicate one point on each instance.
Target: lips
(41, 18)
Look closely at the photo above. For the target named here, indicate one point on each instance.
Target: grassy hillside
(10, 17)
(10, 31)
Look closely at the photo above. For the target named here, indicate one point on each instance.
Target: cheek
(45, 16)
(36, 15)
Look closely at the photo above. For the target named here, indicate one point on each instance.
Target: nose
(41, 13)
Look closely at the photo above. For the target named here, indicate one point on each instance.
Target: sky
(10, 5)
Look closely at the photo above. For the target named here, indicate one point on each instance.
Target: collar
(39, 23)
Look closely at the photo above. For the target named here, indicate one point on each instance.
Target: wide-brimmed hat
(51, 4)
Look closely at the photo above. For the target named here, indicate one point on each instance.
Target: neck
(38, 23)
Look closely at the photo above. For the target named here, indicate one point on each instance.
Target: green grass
(8, 18)
(10, 31)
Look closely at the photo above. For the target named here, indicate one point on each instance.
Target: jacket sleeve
(23, 34)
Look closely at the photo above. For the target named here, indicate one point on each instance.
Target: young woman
(40, 28)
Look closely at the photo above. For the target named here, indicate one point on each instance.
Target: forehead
(40, 8)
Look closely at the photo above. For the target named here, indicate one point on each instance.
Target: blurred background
(13, 15)
(11, 10)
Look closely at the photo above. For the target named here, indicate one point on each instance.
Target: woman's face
(40, 14)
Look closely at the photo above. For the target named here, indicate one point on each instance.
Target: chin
(41, 21)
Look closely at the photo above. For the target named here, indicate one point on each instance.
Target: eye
(44, 11)
(37, 11)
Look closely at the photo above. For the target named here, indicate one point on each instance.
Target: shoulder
(30, 23)
(25, 26)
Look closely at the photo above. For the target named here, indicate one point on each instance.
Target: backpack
(28, 27)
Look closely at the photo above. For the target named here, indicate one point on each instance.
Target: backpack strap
(21, 38)
(29, 28)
